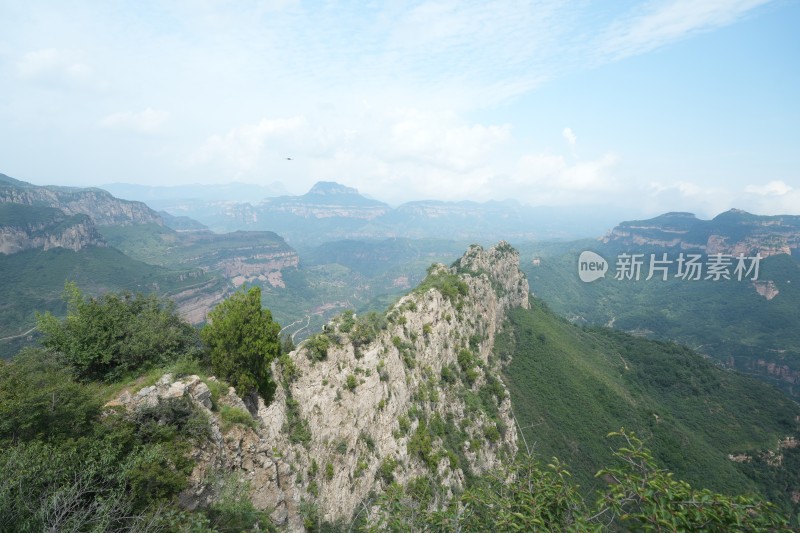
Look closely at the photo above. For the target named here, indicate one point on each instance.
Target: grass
(230, 416)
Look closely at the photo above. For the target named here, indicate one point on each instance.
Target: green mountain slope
(570, 386)
(34, 281)
(727, 320)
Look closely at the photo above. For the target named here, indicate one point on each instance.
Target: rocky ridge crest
(419, 396)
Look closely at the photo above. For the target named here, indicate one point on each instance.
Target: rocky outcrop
(350, 417)
(241, 256)
(734, 232)
(767, 289)
(103, 208)
(73, 233)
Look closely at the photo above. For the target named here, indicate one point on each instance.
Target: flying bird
(289, 159)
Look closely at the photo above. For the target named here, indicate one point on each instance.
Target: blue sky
(653, 106)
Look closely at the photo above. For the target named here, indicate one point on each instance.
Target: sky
(653, 106)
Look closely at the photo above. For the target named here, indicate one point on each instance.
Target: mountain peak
(329, 188)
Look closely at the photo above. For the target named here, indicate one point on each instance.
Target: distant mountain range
(752, 325)
(331, 211)
(49, 235)
(732, 232)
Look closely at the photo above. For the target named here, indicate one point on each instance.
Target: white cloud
(554, 173)
(773, 188)
(241, 149)
(705, 201)
(658, 23)
(52, 65)
(443, 139)
(569, 136)
(147, 121)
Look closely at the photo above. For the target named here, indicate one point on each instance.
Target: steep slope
(732, 232)
(714, 428)
(25, 227)
(412, 394)
(423, 395)
(99, 205)
(751, 326)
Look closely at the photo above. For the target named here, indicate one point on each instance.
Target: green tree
(106, 337)
(243, 340)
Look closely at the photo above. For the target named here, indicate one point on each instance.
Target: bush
(40, 400)
(107, 337)
(234, 415)
(386, 470)
(317, 346)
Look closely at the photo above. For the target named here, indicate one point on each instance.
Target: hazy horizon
(649, 107)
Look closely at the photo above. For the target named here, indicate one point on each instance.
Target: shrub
(317, 346)
(244, 341)
(234, 415)
(107, 337)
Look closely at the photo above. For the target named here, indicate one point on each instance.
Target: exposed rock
(767, 289)
(99, 205)
(56, 231)
(350, 403)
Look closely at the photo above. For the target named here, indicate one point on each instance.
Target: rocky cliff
(409, 394)
(103, 208)
(732, 233)
(25, 227)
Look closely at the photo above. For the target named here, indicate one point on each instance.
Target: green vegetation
(34, 280)
(234, 415)
(67, 466)
(243, 341)
(569, 385)
(739, 327)
(296, 426)
(317, 346)
(525, 496)
(445, 282)
(107, 337)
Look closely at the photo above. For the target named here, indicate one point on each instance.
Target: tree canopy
(104, 338)
(243, 340)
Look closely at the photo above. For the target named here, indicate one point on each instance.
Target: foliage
(232, 509)
(243, 340)
(581, 382)
(444, 281)
(40, 400)
(727, 320)
(317, 346)
(641, 496)
(386, 470)
(367, 327)
(525, 496)
(351, 382)
(296, 426)
(119, 477)
(107, 337)
(234, 415)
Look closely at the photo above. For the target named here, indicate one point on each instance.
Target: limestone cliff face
(341, 426)
(103, 208)
(73, 233)
(734, 232)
